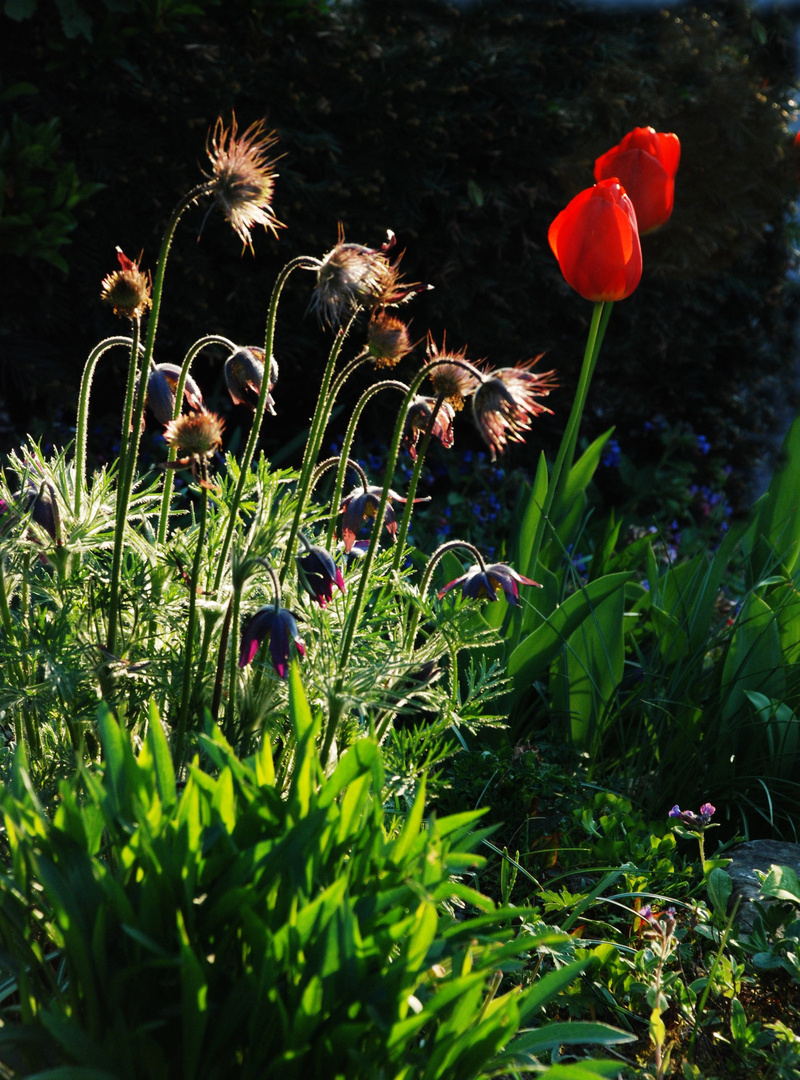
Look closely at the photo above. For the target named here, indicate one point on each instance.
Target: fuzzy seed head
(126, 290)
(195, 434)
(242, 176)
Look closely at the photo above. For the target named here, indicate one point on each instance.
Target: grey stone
(745, 860)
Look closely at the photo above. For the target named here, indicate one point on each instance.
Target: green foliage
(228, 928)
(39, 191)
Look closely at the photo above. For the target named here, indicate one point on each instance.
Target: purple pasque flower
(319, 573)
(419, 416)
(696, 822)
(485, 581)
(506, 400)
(162, 382)
(363, 503)
(279, 626)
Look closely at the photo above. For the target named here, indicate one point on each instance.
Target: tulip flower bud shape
(645, 163)
(596, 241)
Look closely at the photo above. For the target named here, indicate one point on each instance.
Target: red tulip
(645, 163)
(596, 242)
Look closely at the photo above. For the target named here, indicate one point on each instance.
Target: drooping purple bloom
(485, 583)
(162, 382)
(279, 626)
(362, 503)
(696, 822)
(319, 573)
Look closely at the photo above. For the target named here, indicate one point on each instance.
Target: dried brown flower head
(388, 340)
(506, 400)
(196, 436)
(449, 376)
(352, 276)
(127, 290)
(242, 177)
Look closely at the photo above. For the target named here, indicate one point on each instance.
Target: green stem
(329, 391)
(411, 492)
(83, 407)
(166, 495)
(128, 458)
(391, 462)
(302, 261)
(221, 654)
(351, 625)
(348, 440)
(186, 694)
(428, 574)
(569, 440)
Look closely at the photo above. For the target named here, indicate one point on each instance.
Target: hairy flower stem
(166, 495)
(83, 406)
(301, 262)
(344, 460)
(354, 615)
(186, 694)
(402, 532)
(328, 392)
(222, 652)
(129, 456)
(451, 545)
(569, 440)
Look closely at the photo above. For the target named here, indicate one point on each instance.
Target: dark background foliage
(465, 130)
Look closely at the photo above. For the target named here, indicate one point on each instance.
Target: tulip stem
(569, 440)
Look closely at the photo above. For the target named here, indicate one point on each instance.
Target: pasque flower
(242, 177)
(198, 436)
(388, 340)
(596, 241)
(244, 374)
(451, 374)
(645, 163)
(505, 401)
(419, 416)
(126, 290)
(279, 626)
(353, 276)
(363, 503)
(484, 581)
(162, 382)
(319, 573)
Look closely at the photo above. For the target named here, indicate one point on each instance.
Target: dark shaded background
(465, 131)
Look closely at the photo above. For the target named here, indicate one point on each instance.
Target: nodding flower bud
(419, 416)
(126, 290)
(43, 505)
(244, 374)
(162, 382)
